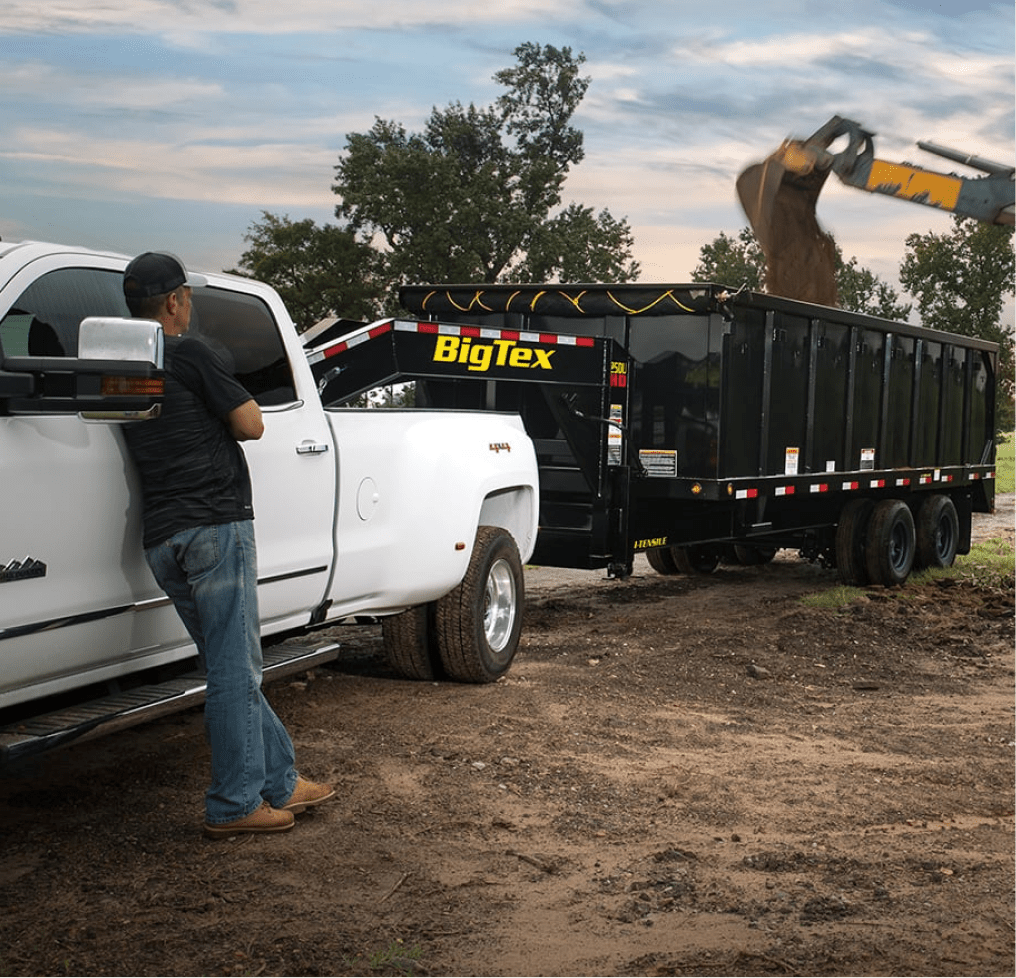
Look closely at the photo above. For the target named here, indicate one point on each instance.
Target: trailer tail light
(132, 386)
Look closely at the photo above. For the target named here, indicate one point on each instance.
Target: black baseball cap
(156, 273)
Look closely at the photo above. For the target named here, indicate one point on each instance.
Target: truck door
(292, 466)
(77, 601)
(72, 571)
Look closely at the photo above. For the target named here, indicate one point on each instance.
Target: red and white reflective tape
(355, 340)
(925, 479)
(848, 486)
(902, 482)
(486, 333)
(819, 487)
(446, 329)
(877, 484)
(746, 494)
(785, 490)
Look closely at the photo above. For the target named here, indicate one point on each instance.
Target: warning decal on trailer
(615, 436)
(658, 463)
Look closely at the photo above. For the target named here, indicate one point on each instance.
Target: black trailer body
(698, 424)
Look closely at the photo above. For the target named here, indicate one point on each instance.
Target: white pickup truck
(424, 518)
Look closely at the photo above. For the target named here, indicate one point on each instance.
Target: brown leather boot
(263, 819)
(307, 793)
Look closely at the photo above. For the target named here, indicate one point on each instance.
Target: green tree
(730, 261)
(861, 290)
(580, 246)
(961, 281)
(739, 261)
(318, 271)
(475, 196)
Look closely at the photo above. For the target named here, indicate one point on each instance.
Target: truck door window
(243, 331)
(43, 321)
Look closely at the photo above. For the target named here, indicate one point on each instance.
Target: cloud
(262, 16)
(219, 172)
(223, 108)
(41, 82)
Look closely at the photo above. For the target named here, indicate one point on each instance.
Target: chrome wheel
(500, 606)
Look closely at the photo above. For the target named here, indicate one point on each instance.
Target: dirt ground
(679, 776)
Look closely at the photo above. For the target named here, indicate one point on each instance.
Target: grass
(396, 958)
(990, 564)
(1004, 465)
(834, 597)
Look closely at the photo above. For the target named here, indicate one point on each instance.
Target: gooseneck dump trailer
(699, 424)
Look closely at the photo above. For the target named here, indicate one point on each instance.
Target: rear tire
(478, 623)
(891, 543)
(662, 560)
(409, 643)
(851, 540)
(938, 532)
(699, 558)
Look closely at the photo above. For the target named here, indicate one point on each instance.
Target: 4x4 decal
(22, 570)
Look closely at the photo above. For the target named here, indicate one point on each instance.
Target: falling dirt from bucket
(780, 206)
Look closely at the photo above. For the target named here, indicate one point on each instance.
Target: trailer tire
(851, 541)
(662, 560)
(938, 532)
(409, 643)
(752, 555)
(698, 558)
(891, 543)
(479, 622)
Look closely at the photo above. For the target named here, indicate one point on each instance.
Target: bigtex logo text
(500, 353)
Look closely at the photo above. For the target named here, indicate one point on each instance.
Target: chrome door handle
(311, 448)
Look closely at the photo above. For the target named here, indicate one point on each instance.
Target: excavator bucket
(779, 196)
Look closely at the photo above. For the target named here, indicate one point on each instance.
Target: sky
(131, 125)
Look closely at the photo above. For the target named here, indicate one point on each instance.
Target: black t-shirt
(193, 472)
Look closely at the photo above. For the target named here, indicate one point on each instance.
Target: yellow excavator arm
(780, 193)
(987, 198)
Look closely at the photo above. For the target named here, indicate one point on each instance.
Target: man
(199, 543)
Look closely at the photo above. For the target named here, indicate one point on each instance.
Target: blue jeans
(210, 573)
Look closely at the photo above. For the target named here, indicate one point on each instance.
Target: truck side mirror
(117, 375)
